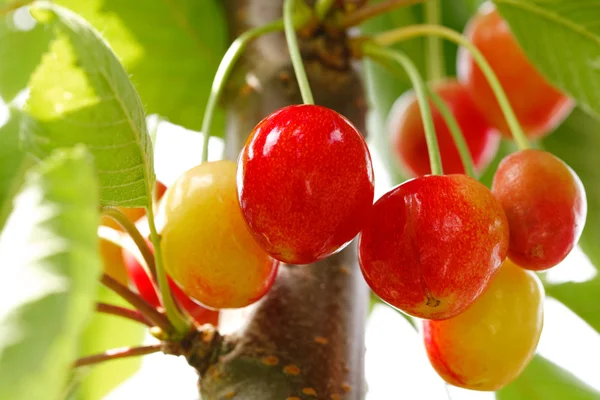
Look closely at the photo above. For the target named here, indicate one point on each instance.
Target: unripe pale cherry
(544, 201)
(407, 133)
(432, 244)
(488, 345)
(305, 183)
(538, 105)
(207, 247)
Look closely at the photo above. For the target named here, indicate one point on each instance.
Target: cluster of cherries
(435, 247)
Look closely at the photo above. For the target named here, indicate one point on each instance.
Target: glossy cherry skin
(545, 204)
(305, 183)
(147, 291)
(539, 106)
(408, 136)
(207, 247)
(432, 244)
(488, 345)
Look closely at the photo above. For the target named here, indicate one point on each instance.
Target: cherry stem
(139, 303)
(135, 235)
(373, 10)
(289, 8)
(123, 312)
(435, 52)
(381, 54)
(235, 50)
(180, 323)
(322, 8)
(115, 354)
(455, 131)
(390, 37)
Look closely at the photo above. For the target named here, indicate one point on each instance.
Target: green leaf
(562, 38)
(171, 49)
(108, 332)
(384, 87)
(50, 266)
(545, 380)
(80, 93)
(13, 164)
(577, 142)
(15, 73)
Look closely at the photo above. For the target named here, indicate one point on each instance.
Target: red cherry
(545, 204)
(432, 244)
(305, 183)
(147, 291)
(539, 107)
(408, 134)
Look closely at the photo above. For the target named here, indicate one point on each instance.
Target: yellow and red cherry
(538, 105)
(147, 290)
(432, 244)
(408, 135)
(305, 183)
(544, 201)
(488, 345)
(207, 247)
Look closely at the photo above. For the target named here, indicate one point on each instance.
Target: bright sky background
(396, 364)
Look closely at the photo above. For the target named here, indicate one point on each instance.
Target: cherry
(539, 107)
(112, 261)
(206, 244)
(545, 204)
(408, 135)
(489, 345)
(432, 244)
(147, 291)
(305, 183)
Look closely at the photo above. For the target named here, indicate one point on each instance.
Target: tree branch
(140, 304)
(115, 354)
(123, 312)
(373, 10)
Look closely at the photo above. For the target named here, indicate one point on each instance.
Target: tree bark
(305, 339)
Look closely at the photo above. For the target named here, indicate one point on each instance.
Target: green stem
(397, 35)
(322, 8)
(225, 67)
(292, 42)
(435, 52)
(179, 322)
(135, 235)
(455, 131)
(379, 53)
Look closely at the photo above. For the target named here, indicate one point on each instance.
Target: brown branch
(115, 354)
(140, 304)
(373, 10)
(123, 312)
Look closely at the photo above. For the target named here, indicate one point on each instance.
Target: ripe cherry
(206, 244)
(545, 204)
(432, 244)
(305, 183)
(489, 344)
(113, 261)
(408, 135)
(147, 291)
(539, 106)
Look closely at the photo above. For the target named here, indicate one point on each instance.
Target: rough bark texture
(305, 339)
